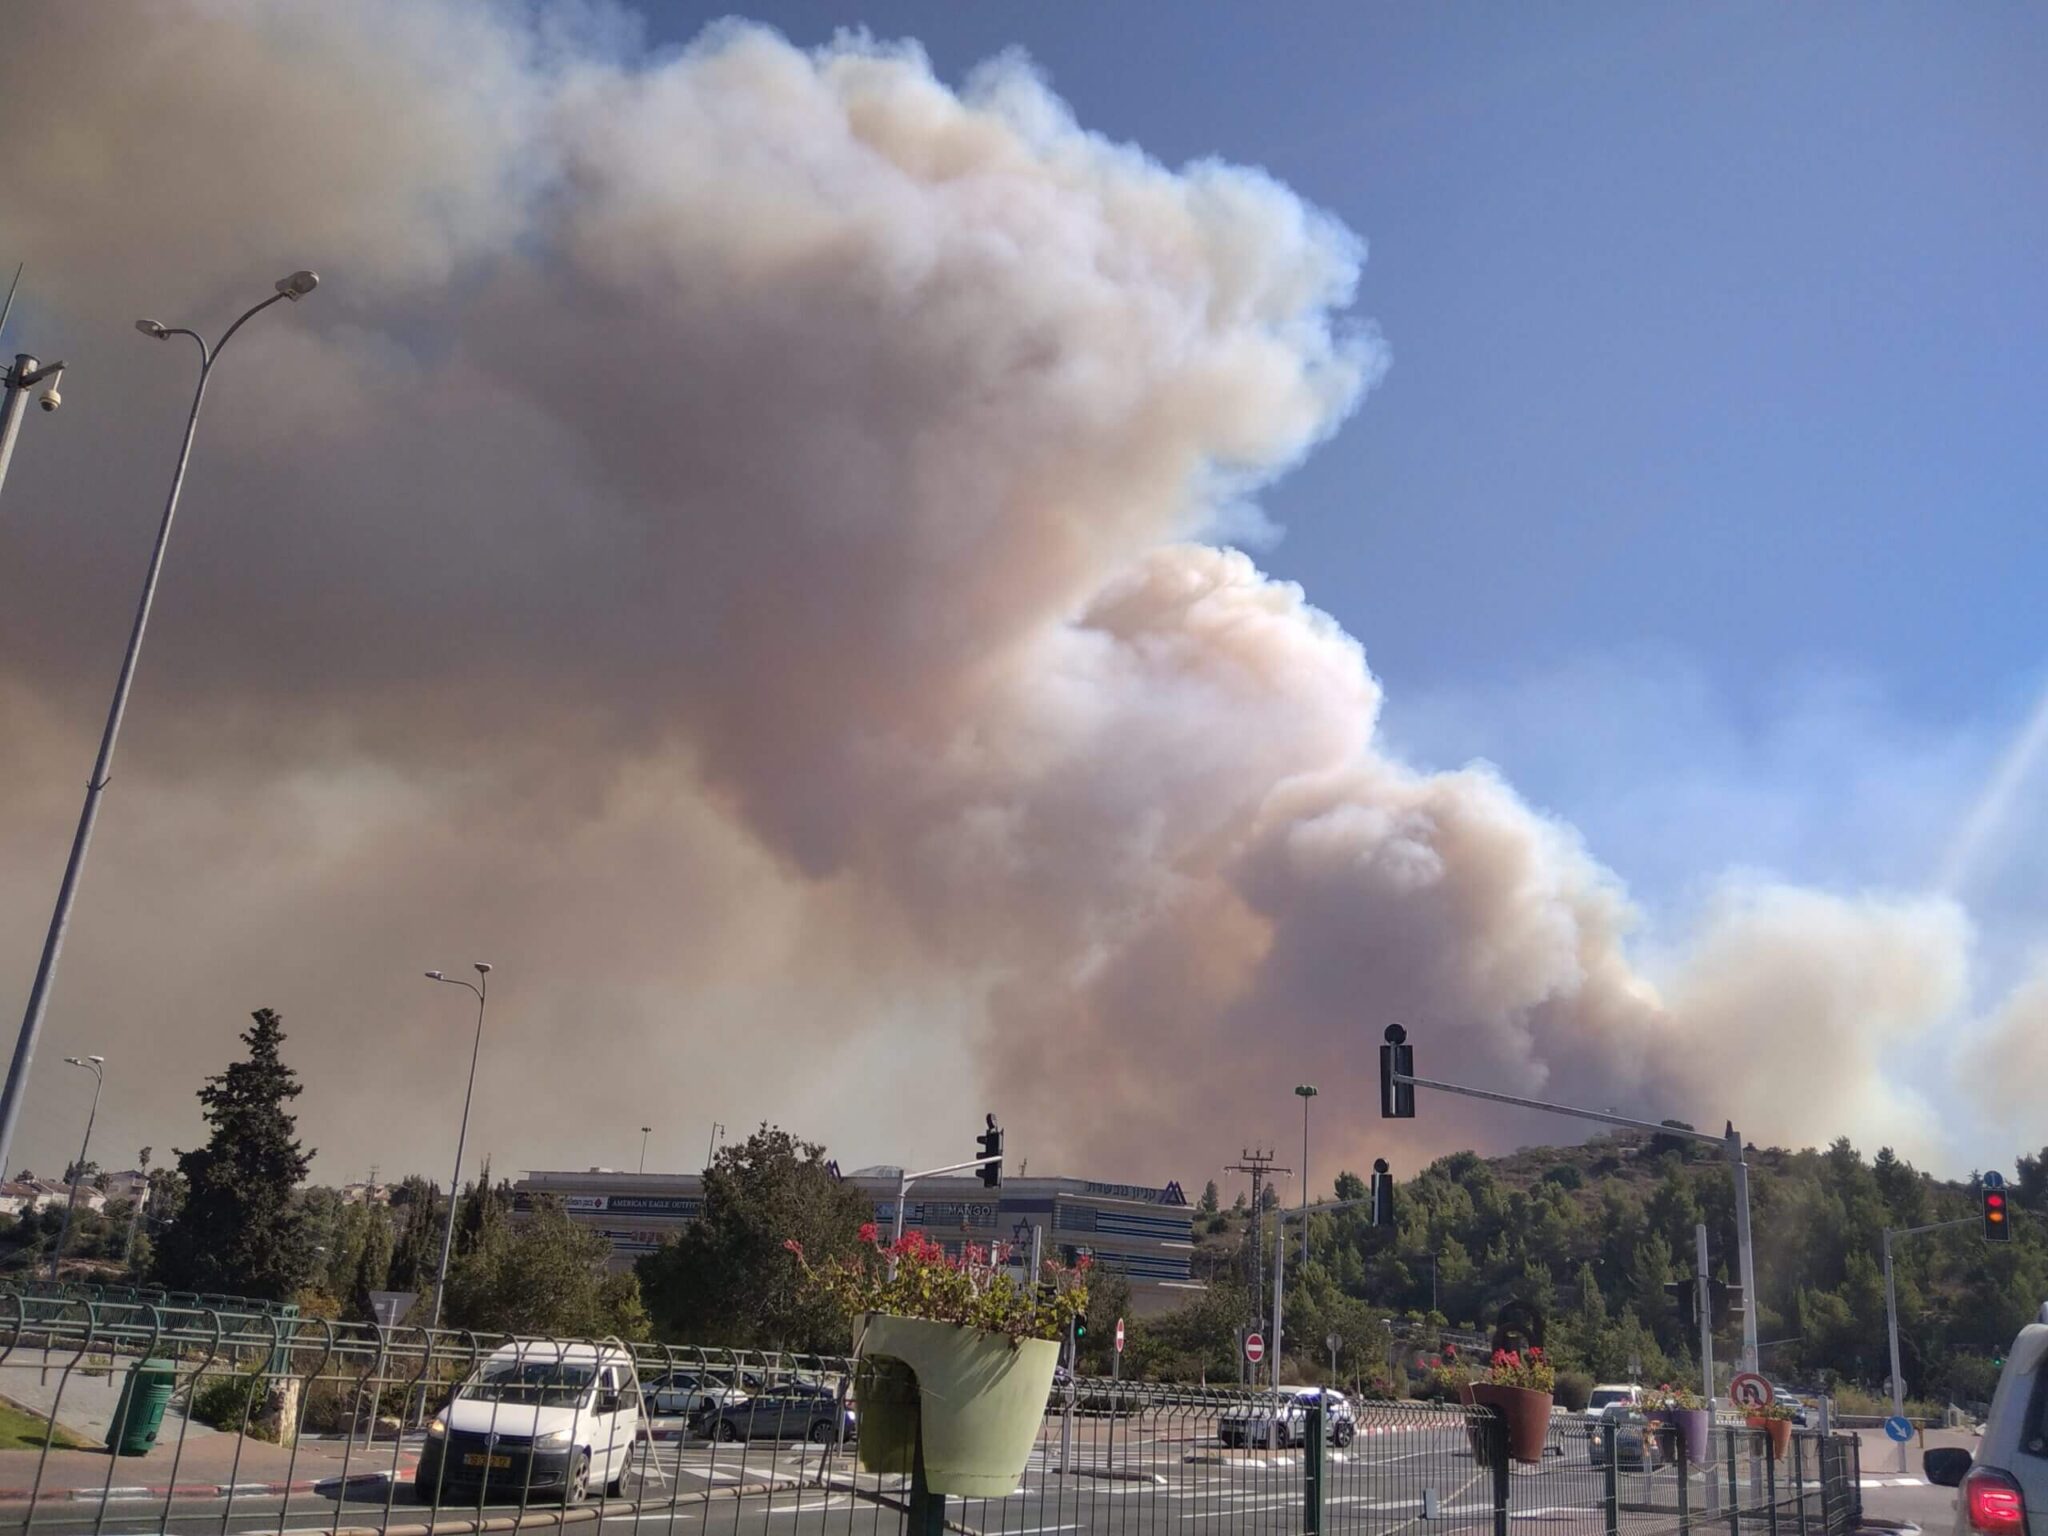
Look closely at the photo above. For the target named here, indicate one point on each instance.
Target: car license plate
(496, 1463)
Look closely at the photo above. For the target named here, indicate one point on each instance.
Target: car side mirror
(1946, 1466)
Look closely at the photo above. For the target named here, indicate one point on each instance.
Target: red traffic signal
(1997, 1229)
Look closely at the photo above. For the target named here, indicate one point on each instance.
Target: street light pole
(481, 987)
(97, 1066)
(294, 288)
(711, 1152)
(1304, 1092)
(645, 1130)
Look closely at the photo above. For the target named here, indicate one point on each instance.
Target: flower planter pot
(1695, 1433)
(974, 1399)
(1526, 1413)
(1778, 1432)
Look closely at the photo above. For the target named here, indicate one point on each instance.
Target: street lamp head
(152, 328)
(298, 285)
(483, 968)
(1306, 1090)
(97, 1060)
(435, 976)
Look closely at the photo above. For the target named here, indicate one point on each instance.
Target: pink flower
(793, 1246)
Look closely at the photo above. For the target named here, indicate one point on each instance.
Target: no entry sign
(1255, 1347)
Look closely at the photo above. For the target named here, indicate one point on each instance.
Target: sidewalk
(207, 1467)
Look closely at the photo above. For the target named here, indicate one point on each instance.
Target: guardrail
(300, 1425)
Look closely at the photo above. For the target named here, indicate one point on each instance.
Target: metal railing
(291, 1424)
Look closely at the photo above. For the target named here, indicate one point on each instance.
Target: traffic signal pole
(1393, 1078)
(1891, 1314)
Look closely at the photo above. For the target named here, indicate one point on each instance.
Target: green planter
(976, 1398)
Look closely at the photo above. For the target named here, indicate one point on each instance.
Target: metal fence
(294, 1424)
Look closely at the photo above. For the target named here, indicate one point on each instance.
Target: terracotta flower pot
(975, 1399)
(1526, 1413)
(1695, 1433)
(1777, 1431)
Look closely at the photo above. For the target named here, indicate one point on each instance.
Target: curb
(1112, 1475)
(208, 1490)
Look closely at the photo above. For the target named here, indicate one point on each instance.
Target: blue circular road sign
(1899, 1427)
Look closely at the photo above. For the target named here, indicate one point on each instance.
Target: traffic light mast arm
(1280, 1263)
(1393, 1056)
(905, 1180)
(1654, 1127)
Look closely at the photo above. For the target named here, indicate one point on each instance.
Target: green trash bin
(139, 1413)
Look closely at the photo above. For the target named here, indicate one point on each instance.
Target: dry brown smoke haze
(736, 542)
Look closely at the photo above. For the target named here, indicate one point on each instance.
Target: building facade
(1138, 1231)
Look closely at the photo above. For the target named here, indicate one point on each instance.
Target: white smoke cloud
(721, 546)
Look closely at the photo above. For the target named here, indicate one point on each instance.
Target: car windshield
(1607, 1395)
(548, 1383)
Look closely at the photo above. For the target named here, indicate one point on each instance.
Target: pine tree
(241, 1231)
(1210, 1199)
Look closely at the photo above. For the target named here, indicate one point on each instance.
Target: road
(1126, 1478)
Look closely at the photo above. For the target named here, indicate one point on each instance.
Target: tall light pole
(96, 1065)
(1304, 1092)
(294, 288)
(645, 1130)
(711, 1154)
(482, 988)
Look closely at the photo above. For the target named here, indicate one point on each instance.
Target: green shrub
(233, 1402)
(1573, 1390)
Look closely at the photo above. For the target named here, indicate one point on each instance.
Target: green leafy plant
(1521, 1368)
(1780, 1412)
(1671, 1395)
(915, 1277)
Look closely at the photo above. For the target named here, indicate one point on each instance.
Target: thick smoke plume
(723, 546)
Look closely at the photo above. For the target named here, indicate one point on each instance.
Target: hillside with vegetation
(1598, 1237)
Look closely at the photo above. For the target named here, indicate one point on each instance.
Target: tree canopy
(241, 1230)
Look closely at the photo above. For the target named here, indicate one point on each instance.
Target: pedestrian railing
(194, 1421)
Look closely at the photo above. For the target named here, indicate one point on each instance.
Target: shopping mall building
(1138, 1231)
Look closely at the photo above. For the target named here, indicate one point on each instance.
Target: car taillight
(1996, 1505)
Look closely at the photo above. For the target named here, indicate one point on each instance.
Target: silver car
(2004, 1487)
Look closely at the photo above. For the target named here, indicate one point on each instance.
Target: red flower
(1535, 1352)
(868, 1232)
(793, 1246)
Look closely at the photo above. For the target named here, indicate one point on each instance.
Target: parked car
(790, 1412)
(684, 1394)
(1282, 1419)
(1797, 1401)
(1637, 1446)
(2004, 1488)
(541, 1419)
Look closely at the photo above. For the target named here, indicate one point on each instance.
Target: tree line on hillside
(1598, 1240)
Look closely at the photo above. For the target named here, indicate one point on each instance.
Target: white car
(1605, 1397)
(543, 1419)
(2005, 1486)
(1253, 1425)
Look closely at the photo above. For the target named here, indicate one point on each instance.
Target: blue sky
(1704, 491)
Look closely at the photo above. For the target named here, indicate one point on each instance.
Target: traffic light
(1397, 1100)
(991, 1142)
(1996, 1228)
(1080, 1328)
(1382, 1193)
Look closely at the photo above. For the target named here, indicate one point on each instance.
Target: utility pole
(1891, 1314)
(1259, 1165)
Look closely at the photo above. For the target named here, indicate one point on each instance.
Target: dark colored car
(787, 1412)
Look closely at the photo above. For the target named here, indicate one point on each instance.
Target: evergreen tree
(1209, 1200)
(241, 1231)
